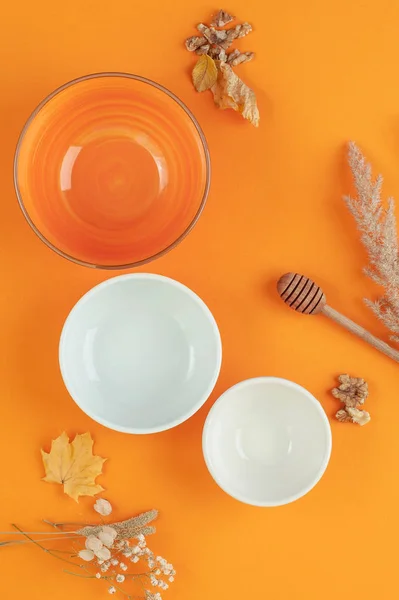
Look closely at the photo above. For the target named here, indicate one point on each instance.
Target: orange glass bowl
(112, 170)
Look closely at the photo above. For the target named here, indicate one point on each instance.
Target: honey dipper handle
(360, 332)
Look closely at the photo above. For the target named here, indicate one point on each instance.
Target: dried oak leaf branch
(214, 67)
(376, 222)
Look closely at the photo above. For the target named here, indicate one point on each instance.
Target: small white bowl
(267, 441)
(140, 353)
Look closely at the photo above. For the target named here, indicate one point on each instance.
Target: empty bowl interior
(140, 353)
(112, 170)
(267, 441)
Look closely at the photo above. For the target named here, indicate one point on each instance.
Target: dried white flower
(93, 543)
(120, 578)
(158, 572)
(111, 590)
(107, 538)
(86, 555)
(98, 575)
(134, 559)
(103, 553)
(114, 562)
(112, 532)
(171, 579)
(123, 567)
(141, 537)
(136, 550)
(103, 507)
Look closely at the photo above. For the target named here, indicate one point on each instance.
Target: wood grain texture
(304, 296)
(301, 293)
(361, 332)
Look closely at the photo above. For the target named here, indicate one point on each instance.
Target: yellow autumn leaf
(204, 73)
(229, 91)
(73, 465)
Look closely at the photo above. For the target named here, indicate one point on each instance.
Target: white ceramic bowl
(140, 353)
(267, 441)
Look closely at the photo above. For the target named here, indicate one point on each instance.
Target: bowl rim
(146, 277)
(325, 421)
(190, 226)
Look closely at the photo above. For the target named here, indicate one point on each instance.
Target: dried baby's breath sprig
(110, 553)
(376, 222)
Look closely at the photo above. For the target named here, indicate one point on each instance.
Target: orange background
(325, 72)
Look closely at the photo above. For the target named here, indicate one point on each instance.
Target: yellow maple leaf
(73, 465)
(204, 73)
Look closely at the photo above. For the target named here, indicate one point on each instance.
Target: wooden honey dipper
(305, 296)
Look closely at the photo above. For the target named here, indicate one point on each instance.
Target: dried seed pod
(214, 36)
(243, 57)
(194, 42)
(221, 19)
(203, 49)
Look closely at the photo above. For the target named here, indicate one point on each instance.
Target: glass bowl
(112, 170)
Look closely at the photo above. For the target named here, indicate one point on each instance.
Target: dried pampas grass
(376, 221)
